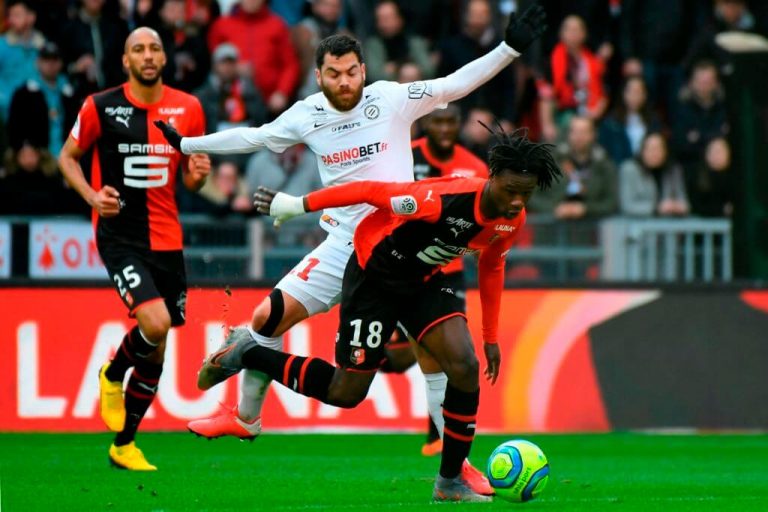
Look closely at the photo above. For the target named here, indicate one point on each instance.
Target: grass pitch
(615, 472)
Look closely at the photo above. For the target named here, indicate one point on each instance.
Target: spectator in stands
(223, 194)
(622, 131)
(577, 75)
(478, 36)
(185, 48)
(589, 185)
(474, 136)
(18, 50)
(655, 35)
(43, 110)
(392, 44)
(34, 186)
(91, 40)
(728, 16)
(711, 186)
(293, 171)
(652, 183)
(265, 47)
(701, 115)
(322, 20)
(229, 99)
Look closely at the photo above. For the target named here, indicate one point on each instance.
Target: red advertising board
(55, 340)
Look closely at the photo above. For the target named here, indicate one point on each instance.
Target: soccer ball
(518, 470)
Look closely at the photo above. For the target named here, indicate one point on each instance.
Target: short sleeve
(87, 127)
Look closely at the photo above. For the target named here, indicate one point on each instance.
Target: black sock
(139, 394)
(432, 433)
(133, 348)
(460, 414)
(309, 376)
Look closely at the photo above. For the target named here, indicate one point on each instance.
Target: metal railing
(687, 249)
(548, 250)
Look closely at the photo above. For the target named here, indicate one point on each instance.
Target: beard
(146, 82)
(339, 103)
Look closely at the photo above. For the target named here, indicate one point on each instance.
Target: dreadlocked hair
(515, 152)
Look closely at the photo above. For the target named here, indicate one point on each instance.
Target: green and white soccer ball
(518, 470)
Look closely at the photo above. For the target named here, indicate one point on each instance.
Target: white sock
(255, 383)
(436, 384)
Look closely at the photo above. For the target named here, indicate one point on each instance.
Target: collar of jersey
(136, 103)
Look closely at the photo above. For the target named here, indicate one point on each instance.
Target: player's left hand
(171, 135)
(526, 28)
(199, 167)
(493, 360)
(279, 205)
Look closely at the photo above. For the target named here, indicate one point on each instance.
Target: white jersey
(372, 141)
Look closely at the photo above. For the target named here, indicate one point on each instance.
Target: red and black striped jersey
(420, 227)
(463, 163)
(131, 155)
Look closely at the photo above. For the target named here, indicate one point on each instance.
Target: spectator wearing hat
(44, 108)
(266, 52)
(18, 50)
(229, 98)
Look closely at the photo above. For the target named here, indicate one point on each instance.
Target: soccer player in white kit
(357, 133)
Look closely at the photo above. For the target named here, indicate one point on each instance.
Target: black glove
(170, 134)
(526, 28)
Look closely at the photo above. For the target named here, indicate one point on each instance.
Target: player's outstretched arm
(226, 142)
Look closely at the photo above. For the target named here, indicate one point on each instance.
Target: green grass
(617, 472)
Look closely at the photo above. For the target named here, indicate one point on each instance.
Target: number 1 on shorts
(311, 263)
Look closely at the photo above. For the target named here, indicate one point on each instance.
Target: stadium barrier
(547, 250)
(572, 360)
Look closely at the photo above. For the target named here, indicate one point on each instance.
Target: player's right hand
(106, 202)
(526, 28)
(279, 205)
(171, 135)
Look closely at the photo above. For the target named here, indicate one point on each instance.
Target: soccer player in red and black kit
(435, 155)
(395, 275)
(138, 234)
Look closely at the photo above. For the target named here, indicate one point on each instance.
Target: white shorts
(316, 281)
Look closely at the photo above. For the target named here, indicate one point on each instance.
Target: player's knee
(267, 315)
(155, 327)
(464, 371)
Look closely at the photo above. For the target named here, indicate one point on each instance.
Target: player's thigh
(170, 277)
(131, 276)
(437, 322)
(368, 315)
(454, 286)
(426, 361)
(315, 283)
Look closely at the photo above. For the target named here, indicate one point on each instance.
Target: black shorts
(370, 311)
(141, 276)
(454, 281)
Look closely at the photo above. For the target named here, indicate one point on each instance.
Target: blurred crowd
(628, 91)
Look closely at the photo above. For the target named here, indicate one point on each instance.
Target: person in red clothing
(138, 234)
(577, 73)
(435, 155)
(265, 47)
(394, 275)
